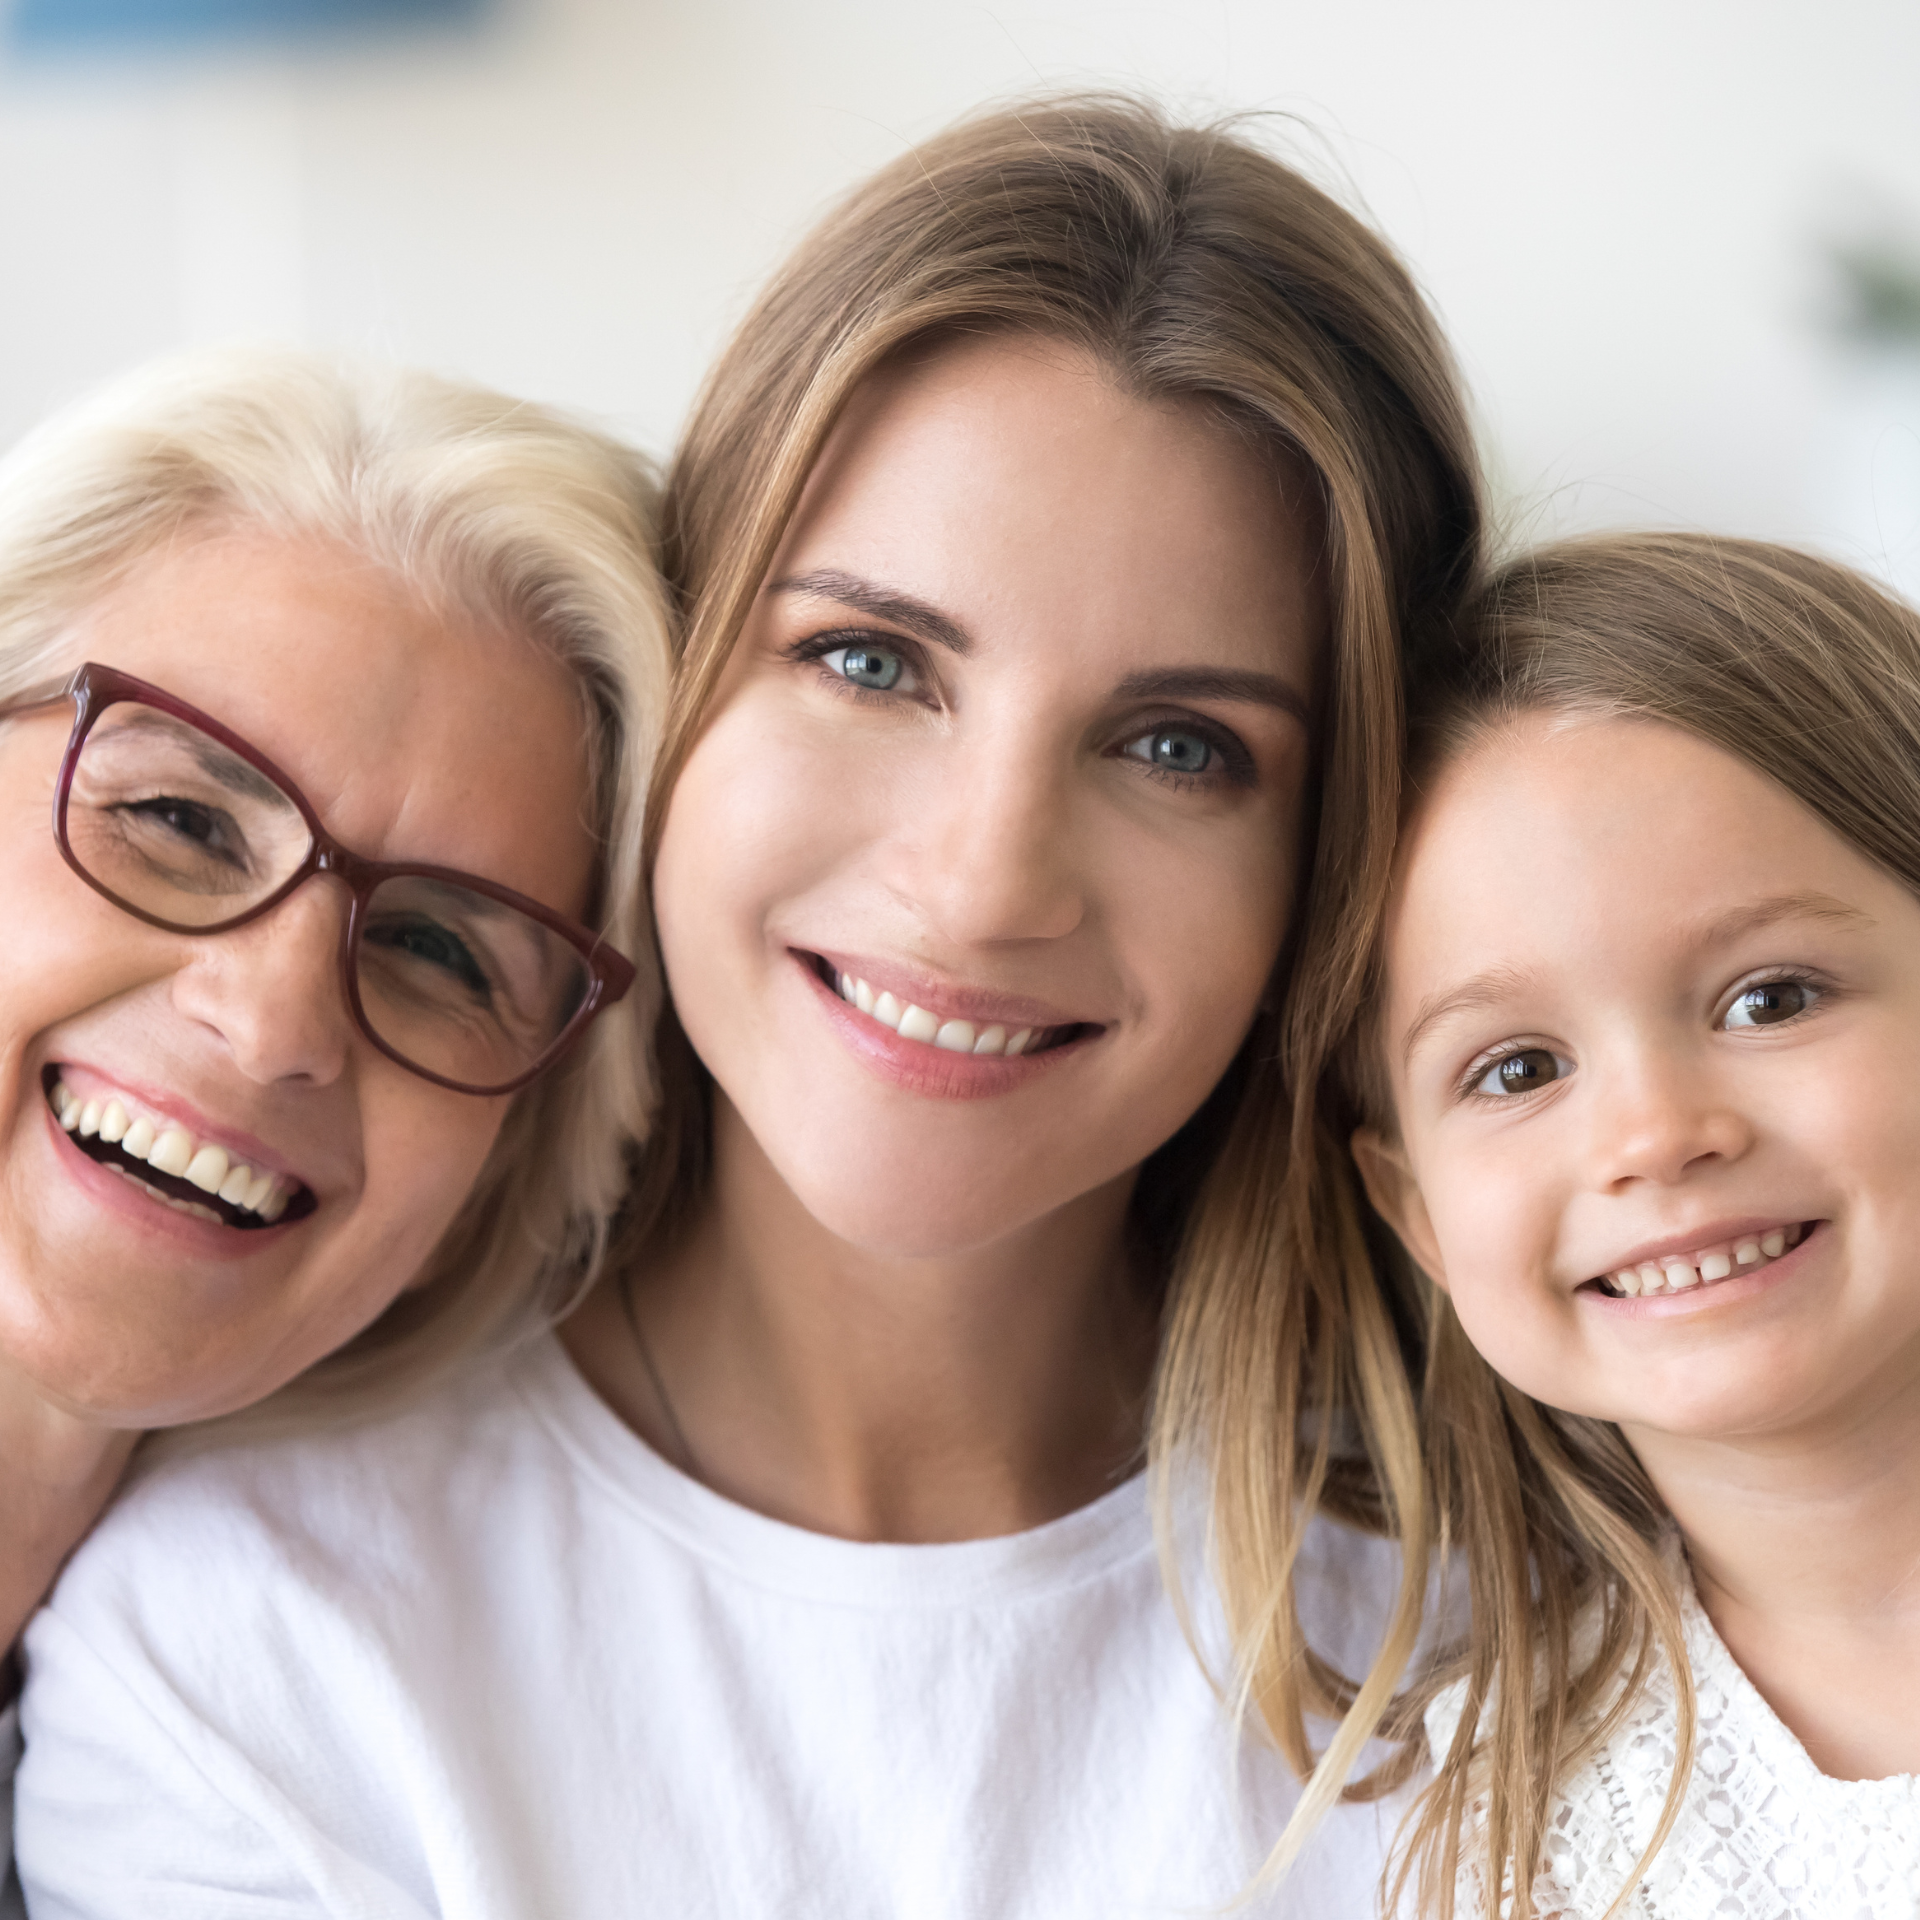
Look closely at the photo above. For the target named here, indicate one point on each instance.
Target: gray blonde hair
(507, 511)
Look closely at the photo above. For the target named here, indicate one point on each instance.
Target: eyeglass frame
(94, 689)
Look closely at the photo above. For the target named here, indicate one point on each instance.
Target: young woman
(1640, 1100)
(255, 1089)
(1049, 535)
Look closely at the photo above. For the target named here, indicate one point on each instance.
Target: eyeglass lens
(172, 823)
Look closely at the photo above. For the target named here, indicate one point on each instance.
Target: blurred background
(1677, 242)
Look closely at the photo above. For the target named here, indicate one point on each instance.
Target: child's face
(1708, 1009)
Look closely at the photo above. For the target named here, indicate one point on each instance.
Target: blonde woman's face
(972, 885)
(417, 737)
(1654, 1037)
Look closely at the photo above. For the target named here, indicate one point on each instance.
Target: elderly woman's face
(417, 735)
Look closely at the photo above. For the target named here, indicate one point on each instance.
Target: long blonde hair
(1192, 265)
(516, 515)
(1810, 675)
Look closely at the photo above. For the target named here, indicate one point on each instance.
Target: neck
(57, 1472)
(880, 1398)
(1805, 1547)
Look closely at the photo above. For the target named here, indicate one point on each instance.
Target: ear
(1397, 1199)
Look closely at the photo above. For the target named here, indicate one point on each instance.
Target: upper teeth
(168, 1147)
(1702, 1267)
(915, 1023)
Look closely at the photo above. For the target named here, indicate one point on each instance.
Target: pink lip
(947, 1001)
(117, 1193)
(1729, 1292)
(88, 1081)
(918, 1067)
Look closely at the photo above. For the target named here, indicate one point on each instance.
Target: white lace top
(1763, 1834)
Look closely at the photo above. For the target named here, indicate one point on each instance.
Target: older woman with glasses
(326, 712)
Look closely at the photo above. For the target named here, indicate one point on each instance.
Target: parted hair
(1193, 266)
(1809, 674)
(515, 515)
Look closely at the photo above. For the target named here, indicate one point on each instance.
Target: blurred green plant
(1878, 284)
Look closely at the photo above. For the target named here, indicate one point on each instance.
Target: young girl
(1642, 1100)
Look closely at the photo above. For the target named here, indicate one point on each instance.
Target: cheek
(424, 1152)
(65, 952)
(1496, 1228)
(1856, 1111)
(755, 815)
(1200, 936)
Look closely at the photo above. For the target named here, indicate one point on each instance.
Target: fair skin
(1017, 733)
(417, 735)
(1649, 1020)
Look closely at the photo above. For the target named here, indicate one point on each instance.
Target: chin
(910, 1220)
(907, 1232)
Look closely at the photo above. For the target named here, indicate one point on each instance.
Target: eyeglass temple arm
(33, 702)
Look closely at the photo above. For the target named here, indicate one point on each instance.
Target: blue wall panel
(104, 23)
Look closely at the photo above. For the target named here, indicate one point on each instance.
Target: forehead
(417, 733)
(1014, 482)
(1567, 841)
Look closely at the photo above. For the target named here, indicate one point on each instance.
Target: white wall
(1617, 208)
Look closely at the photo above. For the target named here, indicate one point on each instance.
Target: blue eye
(879, 669)
(1175, 750)
(1523, 1072)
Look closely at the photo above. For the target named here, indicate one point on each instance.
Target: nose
(1662, 1119)
(991, 857)
(271, 989)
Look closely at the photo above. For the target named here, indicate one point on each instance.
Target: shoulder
(259, 1615)
(235, 1534)
(1605, 1807)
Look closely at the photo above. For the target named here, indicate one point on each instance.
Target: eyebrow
(1483, 990)
(883, 603)
(1216, 683)
(217, 762)
(1502, 983)
(1767, 913)
(1159, 683)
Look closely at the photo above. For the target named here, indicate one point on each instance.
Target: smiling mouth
(163, 1158)
(978, 1038)
(1701, 1266)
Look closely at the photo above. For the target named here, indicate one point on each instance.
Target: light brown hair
(1191, 265)
(1811, 675)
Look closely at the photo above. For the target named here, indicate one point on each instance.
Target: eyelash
(1821, 989)
(1237, 766)
(1485, 1063)
(814, 649)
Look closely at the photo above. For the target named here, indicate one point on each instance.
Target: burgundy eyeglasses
(182, 824)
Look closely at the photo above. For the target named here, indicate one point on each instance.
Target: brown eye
(1769, 1003)
(1523, 1072)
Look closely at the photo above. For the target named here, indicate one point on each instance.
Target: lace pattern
(1762, 1835)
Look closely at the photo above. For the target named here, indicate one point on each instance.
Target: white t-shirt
(496, 1660)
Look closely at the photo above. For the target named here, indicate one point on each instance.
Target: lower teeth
(187, 1207)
